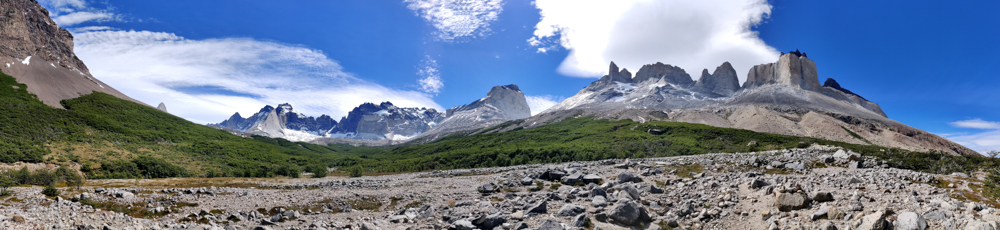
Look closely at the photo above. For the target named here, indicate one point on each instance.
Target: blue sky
(927, 63)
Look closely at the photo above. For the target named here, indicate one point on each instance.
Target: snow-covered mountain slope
(366, 122)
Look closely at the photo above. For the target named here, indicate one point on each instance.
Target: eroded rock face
(723, 81)
(27, 30)
(791, 70)
(668, 73)
(508, 100)
(162, 107)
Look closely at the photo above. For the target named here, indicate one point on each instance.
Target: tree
(50, 191)
(75, 180)
(993, 154)
(6, 181)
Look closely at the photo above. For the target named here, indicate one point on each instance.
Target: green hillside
(115, 138)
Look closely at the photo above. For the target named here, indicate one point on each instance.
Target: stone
(487, 188)
(599, 201)
(822, 212)
(757, 184)
(627, 177)
(937, 215)
(628, 213)
(490, 221)
(462, 224)
(821, 196)
(790, 201)
(795, 166)
(910, 221)
(652, 189)
(630, 190)
(539, 208)
(592, 178)
(17, 219)
(550, 224)
(262, 228)
(573, 179)
(827, 226)
(874, 221)
(978, 225)
(570, 210)
(597, 191)
(527, 181)
(835, 214)
(580, 220)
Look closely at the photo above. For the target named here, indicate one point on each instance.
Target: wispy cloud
(976, 124)
(456, 20)
(207, 80)
(430, 76)
(542, 102)
(67, 13)
(983, 141)
(693, 35)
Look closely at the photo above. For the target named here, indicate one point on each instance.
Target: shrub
(354, 171)
(318, 171)
(157, 168)
(50, 191)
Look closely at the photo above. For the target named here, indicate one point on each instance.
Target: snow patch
(26, 61)
(53, 65)
(383, 112)
(8, 65)
(296, 135)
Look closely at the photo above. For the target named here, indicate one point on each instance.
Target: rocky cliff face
(791, 70)
(38, 53)
(503, 102)
(784, 97)
(722, 82)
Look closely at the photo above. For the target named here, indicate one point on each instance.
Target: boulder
(757, 183)
(490, 221)
(628, 213)
(550, 224)
(539, 208)
(580, 220)
(570, 210)
(462, 224)
(487, 188)
(910, 221)
(599, 201)
(627, 177)
(874, 221)
(827, 226)
(592, 178)
(978, 225)
(821, 196)
(527, 181)
(790, 201)
(572, 179)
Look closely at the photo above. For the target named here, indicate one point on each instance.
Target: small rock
(628, 213)
(580, 220)
(550, 224)
(627, 177)
(570, 210)
(791, 201)
(822, 196)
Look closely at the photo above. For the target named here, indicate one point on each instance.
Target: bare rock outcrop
(791, 70)
(669, 73)
(722, 82)
(38, 53)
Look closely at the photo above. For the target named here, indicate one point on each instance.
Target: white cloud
(982, 141)
(430, 81)
(458, 19)
(693, 35)
(541, 103)
(976, 124)
(243, 74)
(71, 12)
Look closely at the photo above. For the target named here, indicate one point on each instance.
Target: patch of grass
(496, 199)
(538, 186)
(856, 136)
(686, 170)
(393, 201)
(510, 190)
(414, 204)
(370, 203)
(136, 210)
(554, 186)
(778, 171)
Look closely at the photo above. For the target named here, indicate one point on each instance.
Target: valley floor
(814, 188)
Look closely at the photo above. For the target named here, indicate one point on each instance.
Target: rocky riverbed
(815, 188)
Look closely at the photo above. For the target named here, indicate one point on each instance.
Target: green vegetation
(855, 135)
(50, 191)
(115, 138)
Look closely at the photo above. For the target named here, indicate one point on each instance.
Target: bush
(318, 171)
(50, 191)
(354, 171)
(157, 168)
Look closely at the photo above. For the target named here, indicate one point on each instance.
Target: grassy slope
(98, 128)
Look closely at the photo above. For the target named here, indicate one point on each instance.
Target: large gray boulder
(978, 225)
(550, 224)
(791, 201)
(628, 212)
(570, 210)
(910, 221)
(627, 177)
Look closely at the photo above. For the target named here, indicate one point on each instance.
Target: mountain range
(383, 123)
